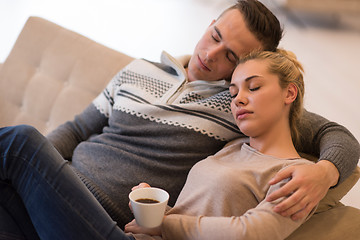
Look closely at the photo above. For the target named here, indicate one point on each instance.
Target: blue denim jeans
(41, 197)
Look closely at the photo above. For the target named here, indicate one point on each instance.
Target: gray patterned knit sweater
(151, 125)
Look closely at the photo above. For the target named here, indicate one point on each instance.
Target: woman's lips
(243, 113)
(203, 65)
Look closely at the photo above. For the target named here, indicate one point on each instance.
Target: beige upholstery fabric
(335, 194)
(325, 6)
(53, 73)
(332, 220)
(339, 223)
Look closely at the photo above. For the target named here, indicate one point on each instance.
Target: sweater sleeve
(329, 141)
(67, 136)
(260, 223)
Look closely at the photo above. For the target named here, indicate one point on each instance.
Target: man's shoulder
(146, 67)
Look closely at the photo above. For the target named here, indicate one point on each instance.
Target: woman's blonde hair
(285, 65)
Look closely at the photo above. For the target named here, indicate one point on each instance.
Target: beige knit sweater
(223, 198)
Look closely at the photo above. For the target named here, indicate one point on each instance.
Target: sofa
(53, 73)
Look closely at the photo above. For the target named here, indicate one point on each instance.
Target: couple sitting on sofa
(153, 122)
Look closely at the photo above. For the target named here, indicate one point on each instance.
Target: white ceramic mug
(149, 215)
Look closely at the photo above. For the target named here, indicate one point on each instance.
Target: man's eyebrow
(220, 36)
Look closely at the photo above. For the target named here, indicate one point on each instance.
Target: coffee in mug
(146, 200)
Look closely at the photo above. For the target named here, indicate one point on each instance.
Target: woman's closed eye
(253, 89)
(234, 94)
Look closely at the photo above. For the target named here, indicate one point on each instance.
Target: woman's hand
(141, 185)
(132, 227)
(308, 185)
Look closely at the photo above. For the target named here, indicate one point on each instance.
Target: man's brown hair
(261, 22)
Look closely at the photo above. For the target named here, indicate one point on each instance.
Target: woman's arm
(260, 222)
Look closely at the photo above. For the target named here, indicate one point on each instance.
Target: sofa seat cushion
(341, 222)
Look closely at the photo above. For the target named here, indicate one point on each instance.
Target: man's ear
(291, 93)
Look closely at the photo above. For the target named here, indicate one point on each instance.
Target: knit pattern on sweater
(163, 97)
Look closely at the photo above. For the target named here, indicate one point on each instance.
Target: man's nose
(214, 53)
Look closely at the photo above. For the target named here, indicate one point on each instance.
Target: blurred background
(324, 34)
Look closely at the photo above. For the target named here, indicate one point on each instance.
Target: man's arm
(91, 121)
(329, 141)
(338, 152)
(67, 136)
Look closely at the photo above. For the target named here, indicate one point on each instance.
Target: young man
(154, 121)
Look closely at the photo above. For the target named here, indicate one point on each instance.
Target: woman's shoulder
(297, 161)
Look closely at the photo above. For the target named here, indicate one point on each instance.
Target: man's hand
(308, 185)
(132, 227)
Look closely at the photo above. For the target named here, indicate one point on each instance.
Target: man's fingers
(282, 174)
(291, 205)
(301, 194)
(284, 191)
(295, 208)
(302, 213)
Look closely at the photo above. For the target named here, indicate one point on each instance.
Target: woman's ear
(291, 93)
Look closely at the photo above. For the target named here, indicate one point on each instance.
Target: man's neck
(189, 78)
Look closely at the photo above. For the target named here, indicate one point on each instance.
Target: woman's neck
(276, 142)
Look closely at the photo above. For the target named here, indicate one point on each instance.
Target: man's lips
(242, 113)
(203, 65)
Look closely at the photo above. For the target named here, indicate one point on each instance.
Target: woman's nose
(240, 99)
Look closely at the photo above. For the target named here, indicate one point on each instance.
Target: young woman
(224, 196)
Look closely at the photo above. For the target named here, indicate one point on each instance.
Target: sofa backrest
(53, 73)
